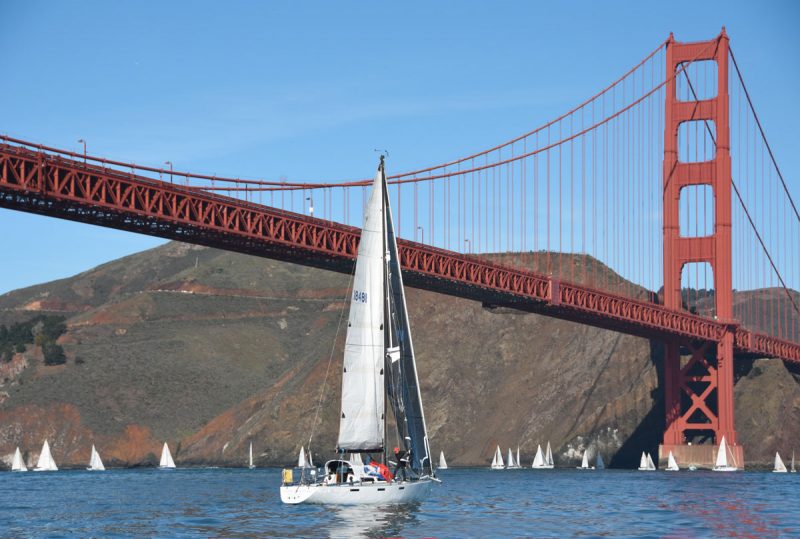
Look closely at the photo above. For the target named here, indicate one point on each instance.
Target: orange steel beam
(46, 184)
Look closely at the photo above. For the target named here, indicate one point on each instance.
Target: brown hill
(211, 350)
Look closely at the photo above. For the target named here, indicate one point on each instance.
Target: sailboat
(512, 464)
(95, 463)
(46, 462)
(250, 460)
(379, 374)
(792, 468)
(18, 465)
(548, 457)
(646, 463)
(600, 464)
(585, 461)
(518, 463)
(442, 462)
(722, 459)
(497, 461)
(780, 467)
(166, 459)
(301, 458)
(538, 460)
(672, 464)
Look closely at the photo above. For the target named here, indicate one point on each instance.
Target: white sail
(722, 455)
(95, 462)
(46, 462)
(548, 458)
(650, 464)
(585, 461)
(672, 464)
(780, 467)
(497, 462)
(538, 460)
(643, 462)
(250, 460)
(166, 458)
(361, 425)
(600, 464)
(309, 458)
(792, 469)
(519, 464)
(442, 462)
(18, 465)
(510, 459)
(301, 458)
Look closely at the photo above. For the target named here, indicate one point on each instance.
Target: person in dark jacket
(402, 458)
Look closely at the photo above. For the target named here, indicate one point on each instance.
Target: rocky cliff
(211, 350)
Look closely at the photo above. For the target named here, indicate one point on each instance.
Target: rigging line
(763, 135)
(330, 357)
(741, 201)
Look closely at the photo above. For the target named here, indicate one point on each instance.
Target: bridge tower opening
(698, 377)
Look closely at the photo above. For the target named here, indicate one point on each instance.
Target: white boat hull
(357, 494)
(542, 467)
(724, 469)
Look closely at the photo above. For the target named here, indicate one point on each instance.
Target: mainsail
(403, 382)
(18, 465)
(95, 462)
(442, 462)
(722, 455)
(548, 459)
(650, 464)
(250, 460)
(361, 423)
(538, 460)
(166, 458)
(780, 467)
(46, 462)
(672, 464)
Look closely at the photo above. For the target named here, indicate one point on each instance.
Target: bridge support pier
(698, 377)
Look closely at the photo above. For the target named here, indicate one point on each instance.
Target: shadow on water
(648, 434)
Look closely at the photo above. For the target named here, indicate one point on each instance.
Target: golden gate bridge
(655, 208)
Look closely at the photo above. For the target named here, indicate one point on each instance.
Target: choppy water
(470, 503)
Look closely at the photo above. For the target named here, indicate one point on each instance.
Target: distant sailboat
(792, 468)
(512, 464)
(650, 464)
(672, 464)
(250, 461)
(301, 459)
(95, 463)
(585, 461)
(18, 465)
(519, 464)
(600, 464)
(442, 462)
(722, 459)
(646, 463)
(548, 458)
(538, 460)
(166, 459)
(497, 461)
(780, 467)
(46, 462)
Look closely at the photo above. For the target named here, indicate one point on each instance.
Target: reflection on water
(470, 503)
(359, 522)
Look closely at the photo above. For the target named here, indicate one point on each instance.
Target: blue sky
(308, 90)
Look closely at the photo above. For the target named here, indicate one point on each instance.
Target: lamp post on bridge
(469, 245)
(422, 230)
(82, 141)
(311, 205)
(170, 169)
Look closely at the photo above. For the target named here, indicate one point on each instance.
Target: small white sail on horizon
(548, 458)
(780, 467)
(250, 460)
(584, 461)
(722, 464)
(672, 464)
(18, 465)
(600, 464)
(650, 464)
(46, 462)
(519, 464)
(442, 462)
(95, 462)
(166, 462)
(538, 460)
(497, 461)
(511, 463)
(792, 470)
(646, 463)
